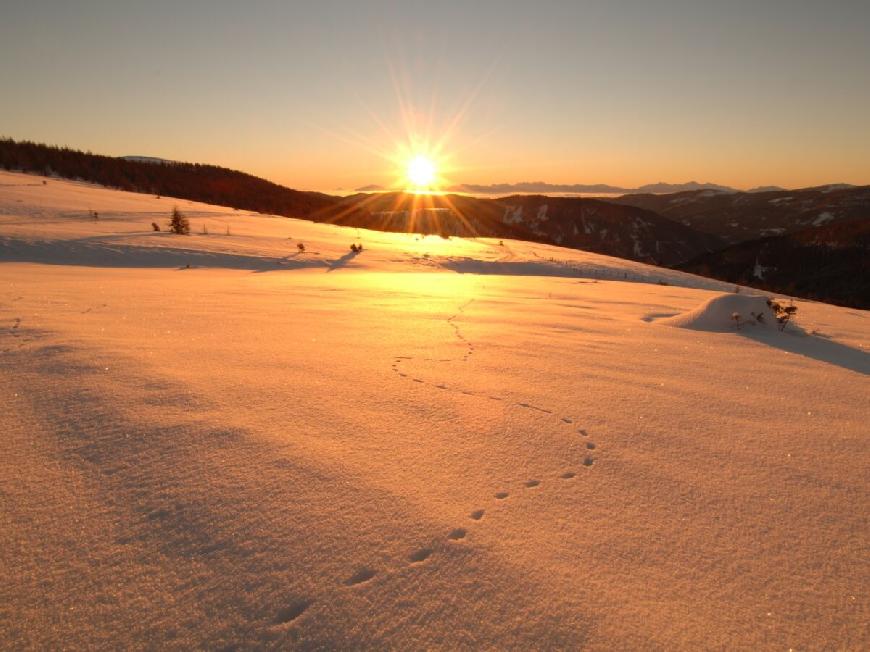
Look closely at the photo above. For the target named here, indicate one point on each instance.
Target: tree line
(210, 184)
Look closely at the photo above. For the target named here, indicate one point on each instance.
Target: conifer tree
(178, 223)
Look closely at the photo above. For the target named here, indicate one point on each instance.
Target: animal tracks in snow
(289, 615)
(425, 555)
(469, 350)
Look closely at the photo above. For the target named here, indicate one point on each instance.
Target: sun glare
(421, 172)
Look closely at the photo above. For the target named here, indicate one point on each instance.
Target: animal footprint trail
(460, 534)
(469, 347)
(425, 554)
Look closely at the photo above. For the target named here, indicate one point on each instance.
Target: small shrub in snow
(178, 223)
(155, 226)
(783, 313)
(204, 229)
(301, 247)
(228, 230)
(736, 317)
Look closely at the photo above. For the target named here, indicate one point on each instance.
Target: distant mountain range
(809, 242)
(148, 159)
(541, 187)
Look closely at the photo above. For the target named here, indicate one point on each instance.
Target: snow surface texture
(335, 450)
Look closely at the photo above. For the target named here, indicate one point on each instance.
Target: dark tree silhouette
(178, 223)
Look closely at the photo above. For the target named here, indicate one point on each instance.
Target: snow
(513, 215)
(432, 444)
(716, 314)
(825, 216)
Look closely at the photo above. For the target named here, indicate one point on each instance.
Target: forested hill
(206, 183)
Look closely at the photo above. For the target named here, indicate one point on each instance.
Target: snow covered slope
(432, 444)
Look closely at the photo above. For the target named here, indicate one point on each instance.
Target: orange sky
(325, 96)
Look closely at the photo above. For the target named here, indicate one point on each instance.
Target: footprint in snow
(568, 475)
(501, 495)
(420, 555)
(458, 533)
(361, 576)
(476, 515)
(583, 432)
(533, 483)
(588, 461)
(590, 446)
(567, 420)
(292, 611)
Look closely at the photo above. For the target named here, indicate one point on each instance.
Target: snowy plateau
(228, 441)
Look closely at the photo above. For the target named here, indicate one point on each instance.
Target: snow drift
(717, 314)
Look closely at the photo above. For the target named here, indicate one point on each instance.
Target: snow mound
(717, 314)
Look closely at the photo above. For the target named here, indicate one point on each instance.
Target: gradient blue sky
(320, 94)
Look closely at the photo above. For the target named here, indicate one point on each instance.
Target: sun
(421, 171)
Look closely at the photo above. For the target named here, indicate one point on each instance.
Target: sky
(333, 95)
